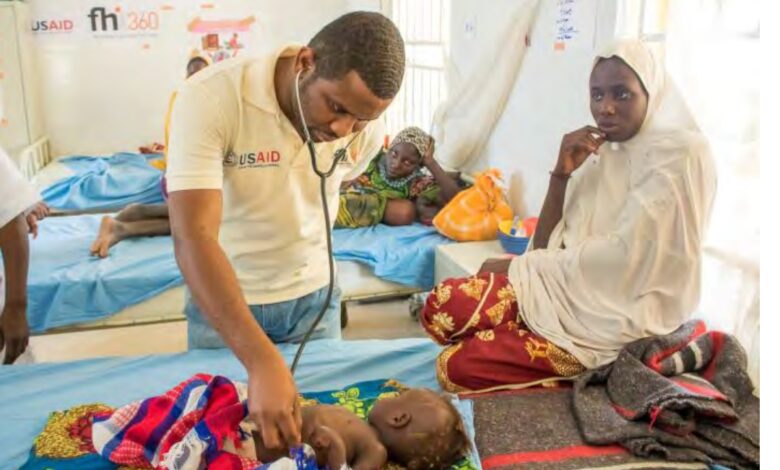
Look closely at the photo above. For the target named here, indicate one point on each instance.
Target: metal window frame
(403, 108)
(649, 37)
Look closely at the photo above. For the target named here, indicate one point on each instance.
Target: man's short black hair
(366, 42)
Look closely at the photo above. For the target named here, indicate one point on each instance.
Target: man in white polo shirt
(245, 206)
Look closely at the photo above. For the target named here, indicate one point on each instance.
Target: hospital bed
(29, 393)
(357, 283)
(368, 263)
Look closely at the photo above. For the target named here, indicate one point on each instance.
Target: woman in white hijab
(617, 253)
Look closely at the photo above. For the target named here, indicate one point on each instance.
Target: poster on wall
(575, 25)
(216, 30)
(221, 37)
(82, 20)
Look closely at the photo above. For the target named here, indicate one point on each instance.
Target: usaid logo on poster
(52, 26)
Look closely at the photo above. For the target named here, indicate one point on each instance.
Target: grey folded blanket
(684, 397)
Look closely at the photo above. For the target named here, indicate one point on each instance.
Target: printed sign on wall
(575, 25)
(97, 20)
(217, 31)
(221, 39)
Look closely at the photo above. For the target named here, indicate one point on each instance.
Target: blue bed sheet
(29, 393)
(106, 182)
(67, 285)
(400, 254)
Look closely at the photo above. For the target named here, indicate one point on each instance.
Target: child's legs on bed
(113, 230)
(134, 212)
(283, 322)
(135, 220)
(487, 344)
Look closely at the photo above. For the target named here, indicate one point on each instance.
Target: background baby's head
(420, 429)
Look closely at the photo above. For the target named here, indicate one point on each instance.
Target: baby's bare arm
(371, 455)
(329, 447)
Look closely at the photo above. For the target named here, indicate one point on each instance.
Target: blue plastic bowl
(514, 245)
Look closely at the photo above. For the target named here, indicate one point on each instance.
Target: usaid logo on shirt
(259, 159)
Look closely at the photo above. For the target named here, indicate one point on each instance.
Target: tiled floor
(382, 320)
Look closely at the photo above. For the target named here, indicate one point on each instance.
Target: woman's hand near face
(576, 147)
(449, 187)
(427, 159)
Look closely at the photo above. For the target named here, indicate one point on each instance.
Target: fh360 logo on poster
(116, 19)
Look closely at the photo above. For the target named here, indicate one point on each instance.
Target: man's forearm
(552, 211)
(15, 247)
(215, 288)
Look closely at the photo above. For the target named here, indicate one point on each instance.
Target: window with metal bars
(646, 20)
(424, 25)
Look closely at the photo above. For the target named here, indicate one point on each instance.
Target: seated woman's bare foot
(108, 236)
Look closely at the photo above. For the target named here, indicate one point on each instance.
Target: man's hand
(496, 265)
(14, 332)
(273, 404)
(576, 147)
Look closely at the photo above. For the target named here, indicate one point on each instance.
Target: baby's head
(427, 209)
(420, 429)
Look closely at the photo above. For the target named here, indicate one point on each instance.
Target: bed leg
(344, 316)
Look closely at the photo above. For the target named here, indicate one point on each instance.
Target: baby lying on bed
(418, 429)
(204, 421)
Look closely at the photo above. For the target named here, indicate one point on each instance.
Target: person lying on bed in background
(143, 220)
(416, 428)
(616, 256)
(20, 211)
(394, 189)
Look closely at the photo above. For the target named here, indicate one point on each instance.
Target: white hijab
(624, 261)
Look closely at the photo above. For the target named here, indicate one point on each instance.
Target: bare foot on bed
(107, 237)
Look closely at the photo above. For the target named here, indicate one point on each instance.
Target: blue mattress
(67, 285)
(29, 393)
(400, 254)
(106, 182)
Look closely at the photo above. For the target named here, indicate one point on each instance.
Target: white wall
(103, 95)
(549, 97)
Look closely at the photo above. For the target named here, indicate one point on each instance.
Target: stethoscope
(339, 156)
